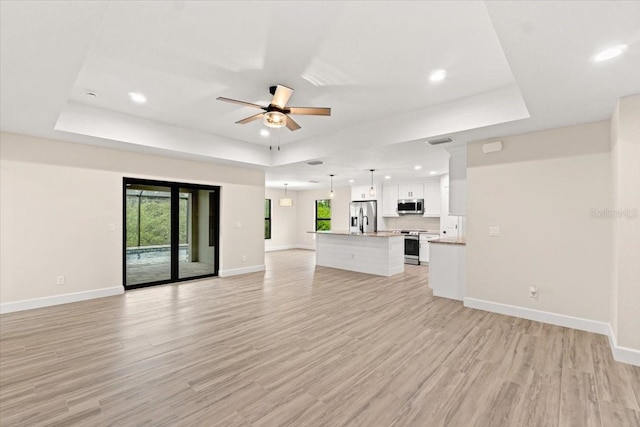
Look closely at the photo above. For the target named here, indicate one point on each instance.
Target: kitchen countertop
(347, 233)
(450, 241)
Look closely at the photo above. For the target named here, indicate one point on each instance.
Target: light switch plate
(494, 231)
(111, 228)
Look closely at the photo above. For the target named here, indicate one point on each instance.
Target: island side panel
(382, 256)
(447, 270)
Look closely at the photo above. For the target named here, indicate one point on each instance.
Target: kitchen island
(380, 253)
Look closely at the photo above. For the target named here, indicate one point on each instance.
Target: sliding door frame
(175, 228)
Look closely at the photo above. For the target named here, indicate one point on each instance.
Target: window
(267, 218)
(323, 215)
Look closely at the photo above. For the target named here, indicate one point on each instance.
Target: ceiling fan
(276, 115)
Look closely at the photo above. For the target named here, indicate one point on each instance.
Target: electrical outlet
(244, 258)
(495, 231)
(111, 228)
(533, 292)
(60, 280)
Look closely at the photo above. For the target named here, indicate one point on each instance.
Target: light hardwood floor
(298, 345)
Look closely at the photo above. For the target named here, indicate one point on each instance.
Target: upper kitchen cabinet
(429, 191)
(444, 195)
(362, 192)
(411, 191)
(390, 200)
(458, 197)
(458, 181)
(432, 199)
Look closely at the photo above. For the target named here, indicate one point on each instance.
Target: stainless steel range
(411, 246)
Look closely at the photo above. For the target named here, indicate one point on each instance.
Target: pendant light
(372, 191)
(286, 202)
(331, 194)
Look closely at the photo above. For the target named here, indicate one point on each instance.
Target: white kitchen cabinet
(432, 199)
(424, 246)
(458, 181)
(444, 195)
(390, 200)
(447, 276)
(362, 192)
(411, 191)
(448, 223)
(458, 197)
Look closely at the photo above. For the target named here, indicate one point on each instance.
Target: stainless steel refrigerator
(363, 217)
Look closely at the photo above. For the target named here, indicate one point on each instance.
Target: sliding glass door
(148, 234)
(171, 232)
(198, 232)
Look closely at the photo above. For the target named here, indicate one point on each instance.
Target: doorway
(171, 232)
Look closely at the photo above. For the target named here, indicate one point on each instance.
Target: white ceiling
(511, 67)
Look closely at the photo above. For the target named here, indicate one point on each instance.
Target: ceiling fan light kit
(275, 119)
(276, 115)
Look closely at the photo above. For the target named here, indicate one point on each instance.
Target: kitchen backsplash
(411, 222)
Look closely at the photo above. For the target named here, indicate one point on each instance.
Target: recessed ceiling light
(387, 177)
(418, 167)
(611, 52)
(264, 132)
(438, 75)
(433, 173)
(137, 97)
(351, 181)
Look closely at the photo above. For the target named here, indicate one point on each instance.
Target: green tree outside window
(323, 215)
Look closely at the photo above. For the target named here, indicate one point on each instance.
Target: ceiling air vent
(439, 141)
(315, 162)
(315, 182)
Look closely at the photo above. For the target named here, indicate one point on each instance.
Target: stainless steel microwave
(410, 206)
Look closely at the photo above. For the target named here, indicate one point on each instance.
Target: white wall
(284, 220)
(625, 167)
(541, 190)
(58, 198)
(307, 215)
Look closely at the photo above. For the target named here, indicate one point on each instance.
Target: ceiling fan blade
(281, 96)
(245, 104)
(292, 125)
(309, 111)
(250, 119)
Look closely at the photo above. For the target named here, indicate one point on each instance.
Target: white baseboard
(280, 248)
(620, 354)
(28, 304)
(288, 247)
(540, 316)
(243, 270)
(623, 354)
